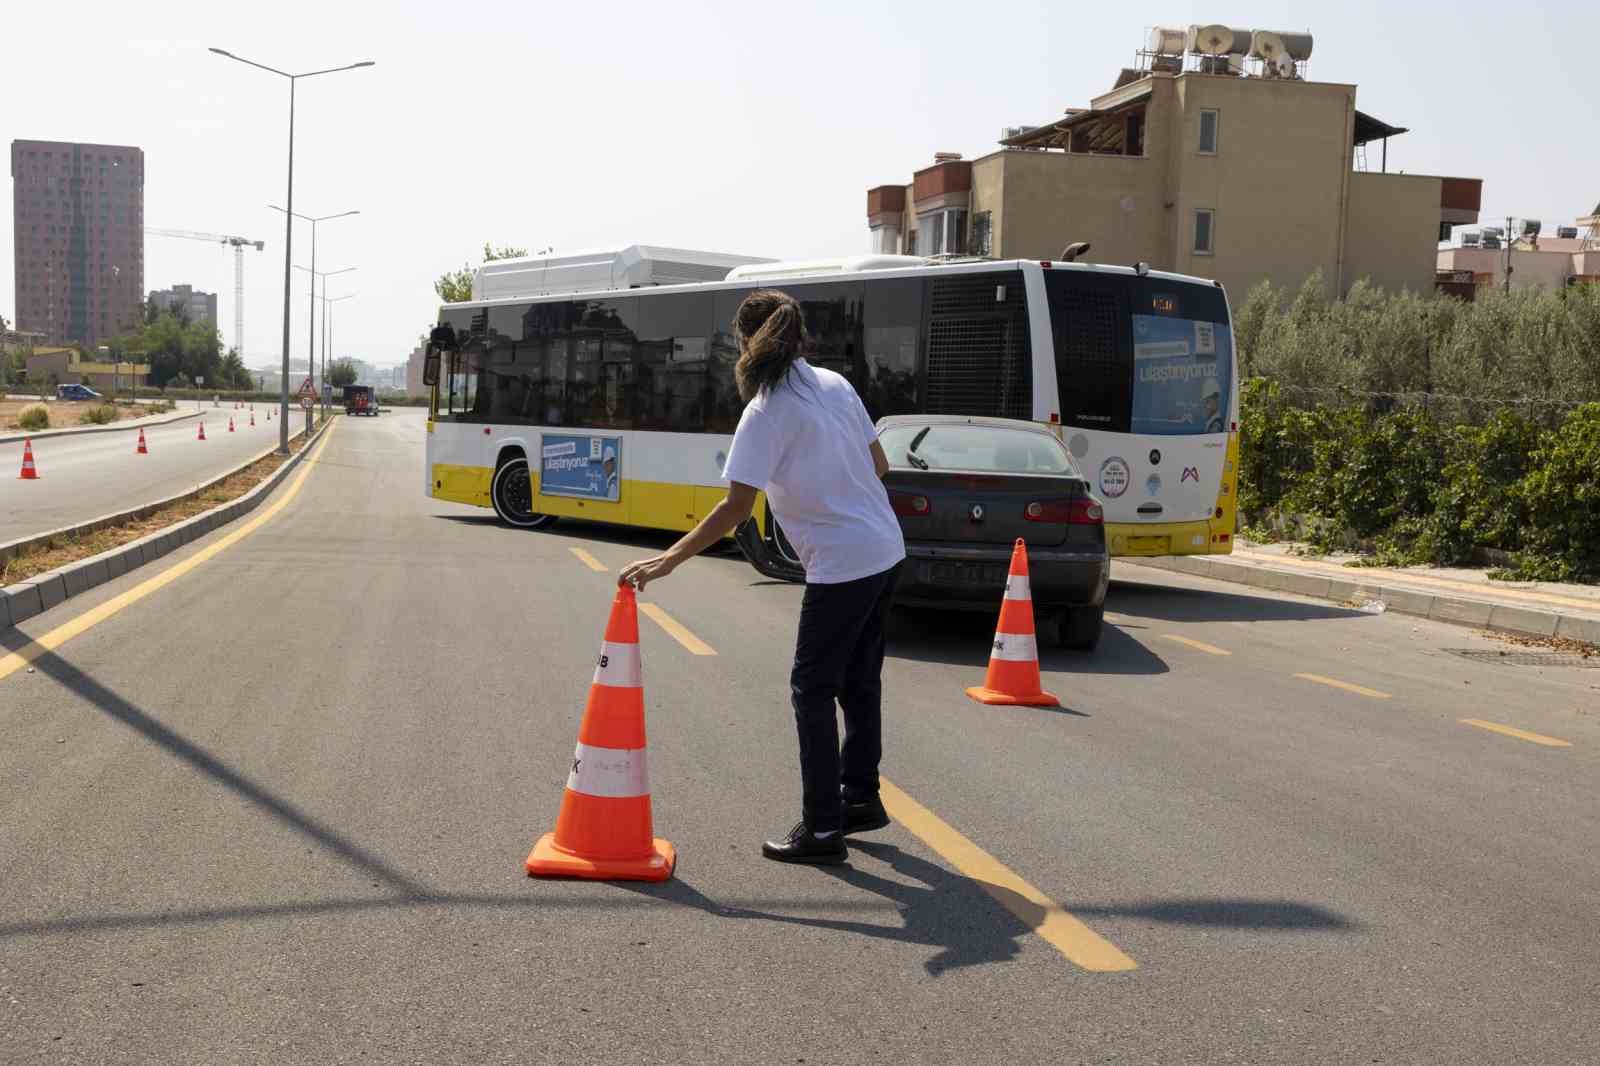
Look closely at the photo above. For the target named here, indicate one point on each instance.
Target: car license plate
(967, 574)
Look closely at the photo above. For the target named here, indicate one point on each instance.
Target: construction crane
(239, 244)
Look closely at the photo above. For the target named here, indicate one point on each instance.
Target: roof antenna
(1073, 250)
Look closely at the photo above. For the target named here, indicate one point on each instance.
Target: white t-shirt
(807, 444)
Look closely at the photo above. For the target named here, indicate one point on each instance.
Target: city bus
(618, 404)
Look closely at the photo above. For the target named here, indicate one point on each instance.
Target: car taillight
(908, 506)
(1078, 512)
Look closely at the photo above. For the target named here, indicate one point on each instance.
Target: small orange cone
(202, 435)
(604, 831)
(28, 471)
(141, 450)
(230, 423)
(1013, 677)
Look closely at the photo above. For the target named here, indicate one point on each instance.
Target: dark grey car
(966, 489)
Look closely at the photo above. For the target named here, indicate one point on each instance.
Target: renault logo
(977, 512)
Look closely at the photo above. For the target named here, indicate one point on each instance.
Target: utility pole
(1510, 240)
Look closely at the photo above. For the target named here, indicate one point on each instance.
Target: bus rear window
(1140, 355)
(1181, 375)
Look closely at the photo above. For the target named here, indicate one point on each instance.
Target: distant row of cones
(30, 471)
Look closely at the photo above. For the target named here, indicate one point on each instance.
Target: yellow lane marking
(676, 630)
(1520, 734)
(1347, 686)
(588, 560)
(64, 632)
(1198, 645)
(1068, 935)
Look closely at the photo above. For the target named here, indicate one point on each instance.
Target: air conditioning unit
(1567, 233)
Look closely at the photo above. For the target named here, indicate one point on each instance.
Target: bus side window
(833, 319)
(672, 360)
(892, 346)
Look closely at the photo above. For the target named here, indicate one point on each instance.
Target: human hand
(641, 573)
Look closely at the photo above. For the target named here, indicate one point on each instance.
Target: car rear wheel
(512, 495)
(1079, 628)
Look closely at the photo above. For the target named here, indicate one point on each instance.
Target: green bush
(1561, 497)
(102, 415)
(34, 416)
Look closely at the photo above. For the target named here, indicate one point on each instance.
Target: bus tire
(512, 496)
(762, 554)
(1079, 628)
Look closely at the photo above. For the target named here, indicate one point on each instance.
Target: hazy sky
(735, 126)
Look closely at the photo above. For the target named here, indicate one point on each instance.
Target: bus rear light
(908, 506)
(1078, 512)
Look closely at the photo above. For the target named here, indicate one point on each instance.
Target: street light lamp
(283, 421)
(324, 275)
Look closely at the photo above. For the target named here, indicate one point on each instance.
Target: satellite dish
(1213, 40)
(1267, 45)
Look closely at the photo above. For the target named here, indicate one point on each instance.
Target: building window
(1134, 142)
(1208, 133)
(946, 230)
(1204, 230)
(982, 234)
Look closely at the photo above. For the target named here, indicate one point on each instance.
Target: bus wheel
(512, 494)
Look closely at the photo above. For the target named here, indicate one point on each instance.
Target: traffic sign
(307, 393)
(307, 402)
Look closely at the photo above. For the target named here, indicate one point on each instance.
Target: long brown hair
(772, 334)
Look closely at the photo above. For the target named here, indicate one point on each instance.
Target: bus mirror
(430, 367)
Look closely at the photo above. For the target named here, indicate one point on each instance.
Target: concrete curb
(1440, 607)
(115, 427)
(23, 600)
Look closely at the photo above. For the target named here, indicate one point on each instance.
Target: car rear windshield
(964, 446)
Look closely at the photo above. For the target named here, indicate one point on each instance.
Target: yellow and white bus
(618, 404)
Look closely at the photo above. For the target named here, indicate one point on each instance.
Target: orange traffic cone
(230, 423)
(28, 471)
(141, 450)
(604, 831)
(1013, 676)
(202, 435)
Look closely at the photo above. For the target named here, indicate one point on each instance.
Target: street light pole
(311, 326)
(283, 421)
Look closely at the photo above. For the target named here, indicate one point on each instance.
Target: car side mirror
(430, 367)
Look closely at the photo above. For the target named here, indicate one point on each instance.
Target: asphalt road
(84, 476)
(275, 810)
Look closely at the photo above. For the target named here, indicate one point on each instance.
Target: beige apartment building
(1536, 261)
(1196, 164)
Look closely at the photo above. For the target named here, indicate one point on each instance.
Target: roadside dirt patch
(64, 414)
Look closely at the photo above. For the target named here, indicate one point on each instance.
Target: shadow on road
(964, 638)
(974, 922)
(1174, 603)
(114, 706)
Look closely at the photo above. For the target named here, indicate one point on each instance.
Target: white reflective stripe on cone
(615, 773)
(1017, 587)
(618, 666)
(1015, 647)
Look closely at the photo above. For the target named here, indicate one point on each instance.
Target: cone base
(1005, 699)
(546, 860)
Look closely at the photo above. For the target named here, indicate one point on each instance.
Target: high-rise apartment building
(78, 216)
(195, 305)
